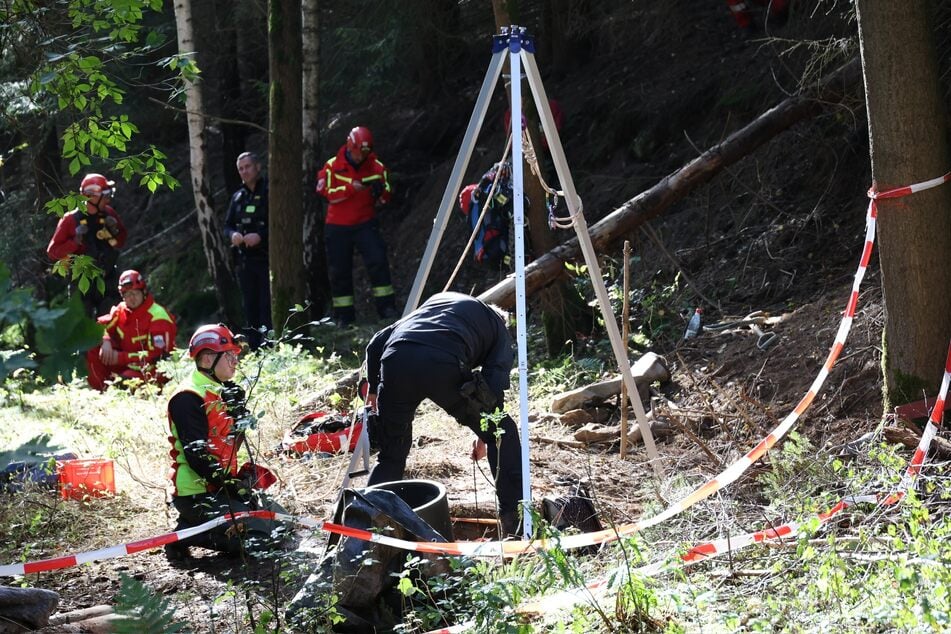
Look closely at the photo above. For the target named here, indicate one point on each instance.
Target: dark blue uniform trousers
(409, 374)
(255, 281)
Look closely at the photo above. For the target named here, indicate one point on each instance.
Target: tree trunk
(315, 260)
(908, 136)
(227, 88)
(285, 202)
(46, 164)
(212, 241)
(656, 200)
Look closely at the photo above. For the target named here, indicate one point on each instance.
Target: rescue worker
(246, 230)
(94, 230)
(433, 353)
(207, 416)
(355, 184)
(138, 333)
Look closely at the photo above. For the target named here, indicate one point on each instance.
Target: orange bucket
(80, 478)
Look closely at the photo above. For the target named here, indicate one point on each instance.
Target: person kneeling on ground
(432, 353)
(138, 333)
(207, 416)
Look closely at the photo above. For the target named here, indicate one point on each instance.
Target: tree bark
(659, 198)
(227, 90)
(908, 137)
(212, 240)
(285, 201)
(315, 259)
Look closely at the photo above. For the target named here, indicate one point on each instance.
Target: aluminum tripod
(521, 48)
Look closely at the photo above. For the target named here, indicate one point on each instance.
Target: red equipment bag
(327, 432)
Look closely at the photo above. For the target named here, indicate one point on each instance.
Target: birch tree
(212, 240)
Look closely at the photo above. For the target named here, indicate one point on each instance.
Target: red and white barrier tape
(707, 550)
(487, 549)
(734, 543)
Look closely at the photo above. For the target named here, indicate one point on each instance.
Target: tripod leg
(590, 257)
(455, 180)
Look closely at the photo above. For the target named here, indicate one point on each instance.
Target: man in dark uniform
(246, 229)
(432, 353)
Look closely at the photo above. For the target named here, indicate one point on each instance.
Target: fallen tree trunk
(656, 200)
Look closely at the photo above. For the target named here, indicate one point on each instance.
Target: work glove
(376, 189)
(81, 231)
(240, 488)
(479, 396)
(235, 401)
(373, 431)
(112, 225)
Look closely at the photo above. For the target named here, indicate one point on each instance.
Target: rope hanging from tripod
(531, 157)
(478, 224)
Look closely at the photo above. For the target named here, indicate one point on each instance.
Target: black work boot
(511, 525)
(177, 553)
(344, 317)
(386, 308)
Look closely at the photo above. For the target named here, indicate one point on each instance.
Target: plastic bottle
(695, 325)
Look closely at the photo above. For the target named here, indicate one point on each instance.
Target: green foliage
(143, 610)
(652, 306)
(77, 72)
(563, 373)
(60, 333)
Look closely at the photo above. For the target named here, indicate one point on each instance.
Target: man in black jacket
(246, 230)
(432, 353)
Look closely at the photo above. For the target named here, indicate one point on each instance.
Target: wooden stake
(625, 320)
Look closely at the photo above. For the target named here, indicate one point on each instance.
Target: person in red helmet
(138, 332)
(97, 231)
(207, 418)
(355, 184)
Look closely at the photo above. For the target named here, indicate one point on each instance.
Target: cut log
(24, 609)
(76, 616)
(575, 418)
(900, 435)
(593, 434)
(102, 624)
(648, 369)
(655, 201)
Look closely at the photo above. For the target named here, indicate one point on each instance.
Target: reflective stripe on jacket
(349, 206)
(140, 336)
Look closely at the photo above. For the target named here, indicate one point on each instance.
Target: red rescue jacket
(63, 242)
(140, 336)
(348, 206)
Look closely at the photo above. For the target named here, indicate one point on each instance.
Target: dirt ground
(728, 394)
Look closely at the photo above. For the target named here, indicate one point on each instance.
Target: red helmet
(214, 337)
(97, 185)
(132, 280)
(359, 140)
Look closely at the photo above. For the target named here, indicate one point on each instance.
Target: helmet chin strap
(211, 371)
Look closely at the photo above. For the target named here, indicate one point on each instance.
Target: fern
(143, 611)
